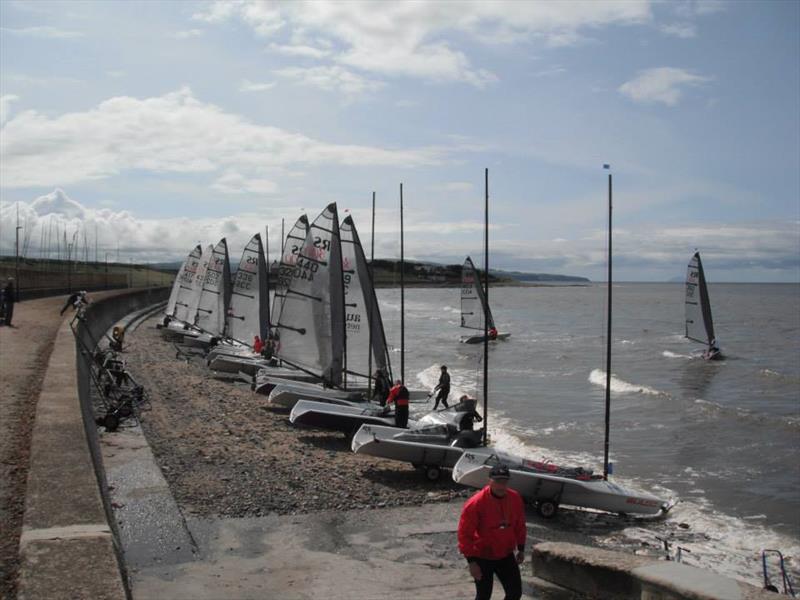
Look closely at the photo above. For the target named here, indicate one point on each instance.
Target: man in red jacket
(491, 535)
(399, 395)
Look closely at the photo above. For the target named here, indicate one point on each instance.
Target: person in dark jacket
(75, 300)
(9, 297)
(444, 388)
(399, 395)
(491, 536)
(382, 386)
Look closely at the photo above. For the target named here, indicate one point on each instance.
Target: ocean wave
(715, 408)
(778, 375)
(598, 377)
(721, 543)
(669, 354)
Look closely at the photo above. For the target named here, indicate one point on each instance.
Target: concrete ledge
(68, 546)
(599, 573)
(63, 502)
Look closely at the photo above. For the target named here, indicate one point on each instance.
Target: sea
(722, 438)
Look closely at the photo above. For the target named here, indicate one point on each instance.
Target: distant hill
(521, 276)
(387, 272)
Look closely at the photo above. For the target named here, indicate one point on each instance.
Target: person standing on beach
(444, 388)
(491, 536)
(399, 395)
(9, 296)
(382, 386)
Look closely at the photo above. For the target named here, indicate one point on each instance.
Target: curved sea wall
(68, 546)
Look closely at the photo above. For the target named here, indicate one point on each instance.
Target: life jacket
(399, 395)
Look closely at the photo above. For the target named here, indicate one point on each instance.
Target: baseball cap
(499, 471)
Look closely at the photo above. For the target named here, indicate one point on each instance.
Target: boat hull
(473, 468)
(345, 418)
(376, 440)
(478, 339)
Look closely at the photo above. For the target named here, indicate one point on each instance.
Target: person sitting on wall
(75, 300)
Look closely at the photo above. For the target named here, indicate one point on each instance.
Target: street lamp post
(107, 253)
(16, 257)
(69, 269)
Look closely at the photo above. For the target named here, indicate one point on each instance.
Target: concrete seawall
(67, 545)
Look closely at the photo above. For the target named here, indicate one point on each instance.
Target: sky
(159, 125)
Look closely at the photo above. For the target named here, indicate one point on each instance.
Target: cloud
(692, 8)
(758, 250)
(5, 107)
(662, 84)
(188, 33)
(299, 50)
(453, 186)
(250, 86)
(173, 133)
(43, 32)
(333, 79)
(235, 183)
(410, 38)
(680, 30)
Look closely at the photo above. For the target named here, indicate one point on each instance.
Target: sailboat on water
(475, 308)
(699, 324)
(549, 485)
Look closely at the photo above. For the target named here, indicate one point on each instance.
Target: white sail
(216, 292)
(699, 325)
(193, 295)
(173, 293)
(291, 248)
(248, 314)
(310, 329)
(473, 299)
(178, 304)
(361, 309)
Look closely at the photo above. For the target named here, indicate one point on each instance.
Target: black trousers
(401, 416)
(507, 571)
(442, 397)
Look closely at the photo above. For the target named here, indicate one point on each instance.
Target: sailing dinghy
(435, 441)
(186, 306)
(549, 485)
(309, 333)
(214, 299)
(176, 315)
(248, 314)
(474, 307)
(363, 329)
(699, 324)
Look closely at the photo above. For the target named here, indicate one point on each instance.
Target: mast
(486, 311)
(608, 337)
(402, 297)
(266, 259)
(371, 316)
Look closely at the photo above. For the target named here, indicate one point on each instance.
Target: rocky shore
(226, 453)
